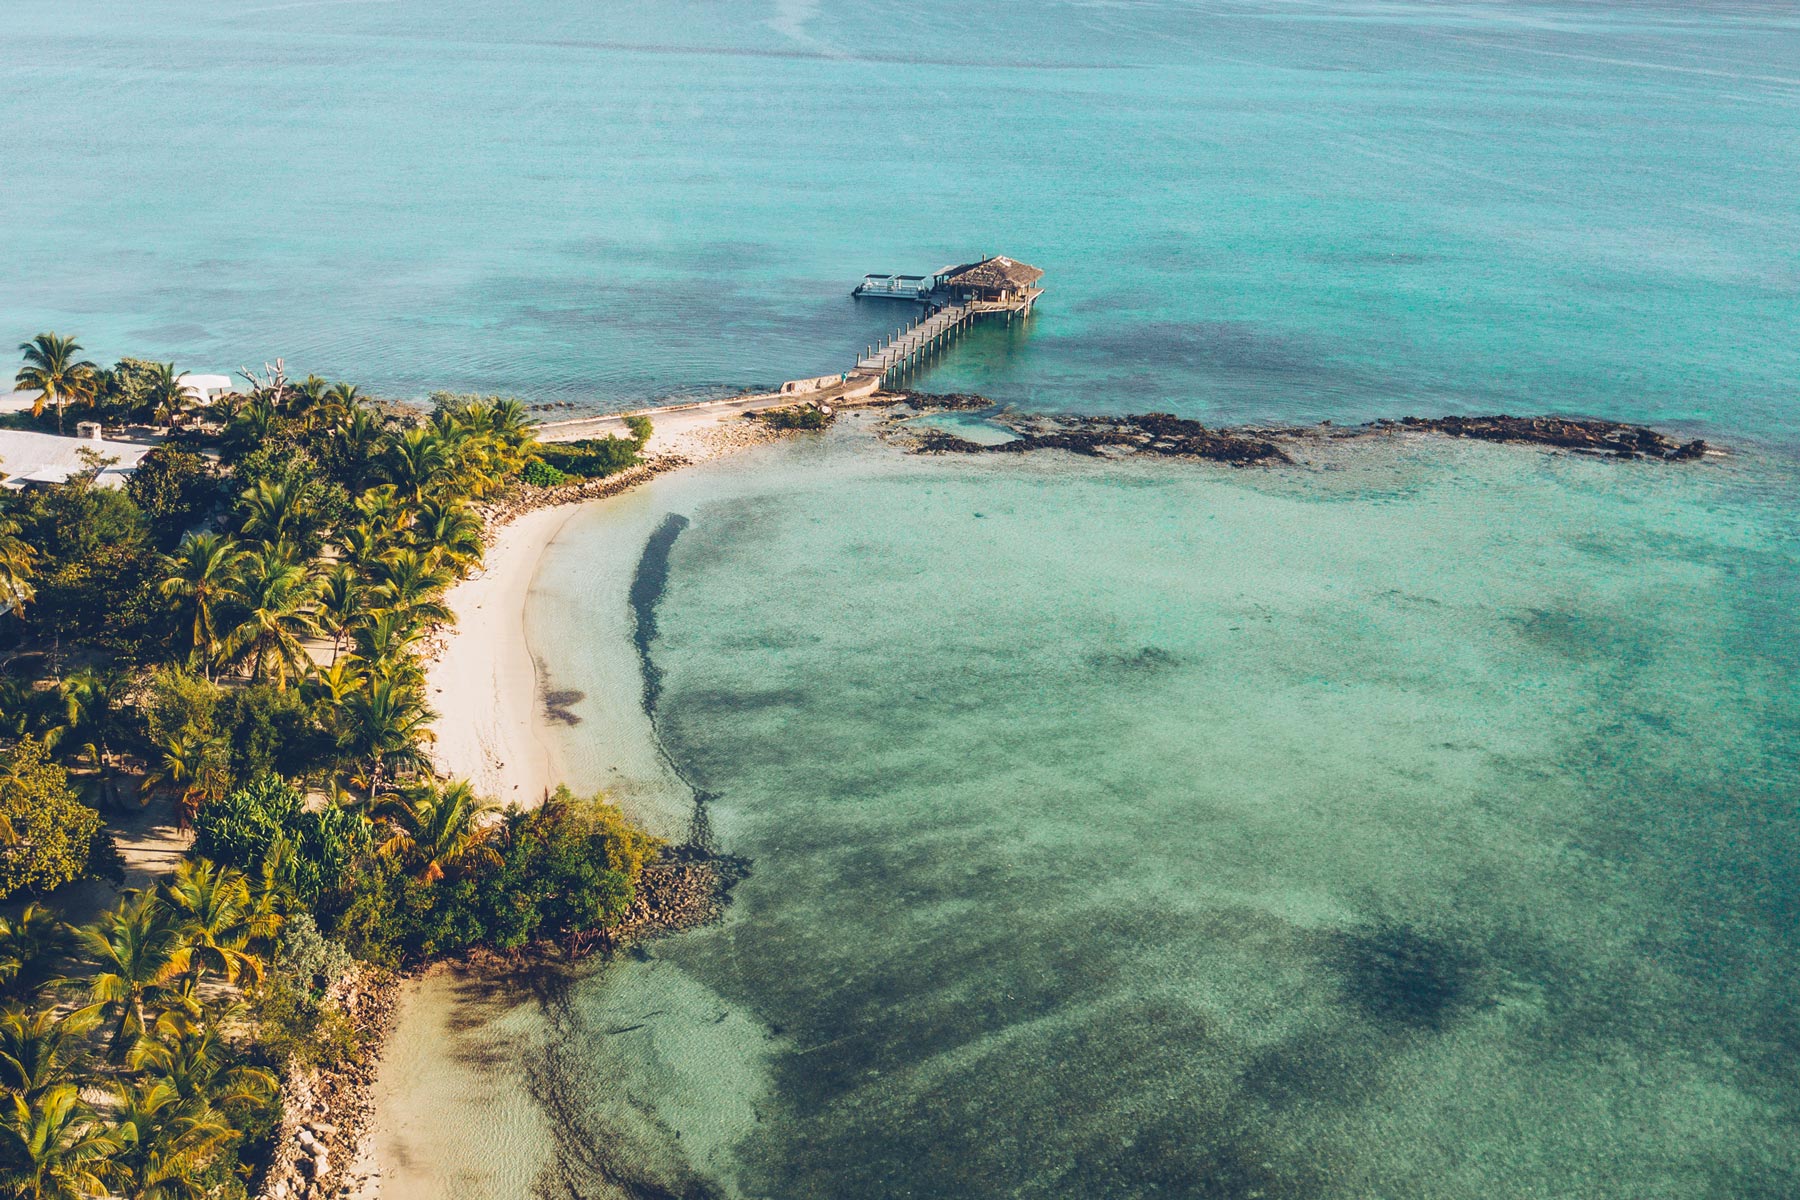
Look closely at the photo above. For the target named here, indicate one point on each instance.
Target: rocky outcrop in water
(1147, 433)
(672, 895)
(1167, 435)
(1606, 437)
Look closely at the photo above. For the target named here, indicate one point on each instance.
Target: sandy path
(675, 428)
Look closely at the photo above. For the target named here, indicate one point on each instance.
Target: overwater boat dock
(951, 301)
(953, 298)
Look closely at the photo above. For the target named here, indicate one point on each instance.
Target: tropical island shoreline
(486, 679)
(399, 554)
(497, 724)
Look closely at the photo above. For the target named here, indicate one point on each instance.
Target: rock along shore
(1164, 434)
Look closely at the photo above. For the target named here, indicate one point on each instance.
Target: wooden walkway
(902, 348)
(899, 351)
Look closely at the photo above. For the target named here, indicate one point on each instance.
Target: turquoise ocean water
(1246, 209)
(1418, 822)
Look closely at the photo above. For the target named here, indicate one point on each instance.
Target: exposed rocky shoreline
(1613, 438)
(1166, 435)
(324, 1110)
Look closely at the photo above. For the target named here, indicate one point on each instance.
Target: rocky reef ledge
(1164, 434)
(1601, 437)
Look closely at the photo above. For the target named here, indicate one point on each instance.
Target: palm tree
(166, 396)
(383, 647)
(212, 905)
(275, 508)
(254, 421)
(195, 765)
(90, 702)
(33, 948)
(305, 398)
(358, 440)
(165, 1141)
(382, 508)
(363, 543)
(450, 527)
(340, 400)
(342, 604)
(388, 728)
(510, 422)
(436, 829)
(54, 1148)
(40, 1049)
(410, 582)
(52, 370)
(271, 893)
(18, 564)
(134, 947)
(202, 573)
(415, 463)
(328, 689)
(185, 1049)
(277, 598)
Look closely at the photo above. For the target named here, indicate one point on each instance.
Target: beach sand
(487, 685)
(484, 685)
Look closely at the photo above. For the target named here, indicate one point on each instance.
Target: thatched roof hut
(996, 278)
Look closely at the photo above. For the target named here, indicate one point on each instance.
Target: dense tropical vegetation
(240, 629)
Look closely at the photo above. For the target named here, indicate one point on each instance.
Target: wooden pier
(954, 298)
(911, 342)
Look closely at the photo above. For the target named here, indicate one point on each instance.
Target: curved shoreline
(494, 725)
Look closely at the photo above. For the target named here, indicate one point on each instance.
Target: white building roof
(202, 384)
(45, 458)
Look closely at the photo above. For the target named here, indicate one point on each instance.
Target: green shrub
(173, 488)
(568, 867)
(180, 705)
(801, 417)
(270, 729)
(51, 831)
(592, 458)
(308, 960)
(542, 474)
(96, 565)
(238, 829)
(316, 853)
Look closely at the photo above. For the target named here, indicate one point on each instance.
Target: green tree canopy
(52, 832)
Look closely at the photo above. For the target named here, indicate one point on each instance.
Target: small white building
(45, 458)
(205, 388)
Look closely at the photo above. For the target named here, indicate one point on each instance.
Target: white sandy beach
(484, 685)
(493, 728)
